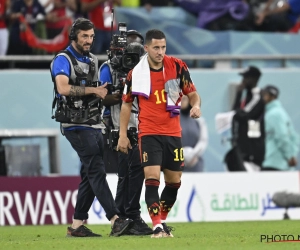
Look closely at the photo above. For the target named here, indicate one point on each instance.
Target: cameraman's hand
(123, 144)
(112, 99)
(101, 91)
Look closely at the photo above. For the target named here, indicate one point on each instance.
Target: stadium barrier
(52, 136)
(202, 197)
(194, 60)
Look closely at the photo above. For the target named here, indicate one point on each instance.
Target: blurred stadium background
(32, 145)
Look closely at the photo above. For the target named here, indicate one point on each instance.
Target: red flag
(295, 28)
(56, 44)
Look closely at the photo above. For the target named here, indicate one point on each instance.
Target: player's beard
(155, 61)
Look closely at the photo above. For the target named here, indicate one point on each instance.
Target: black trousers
(89, 146)
(110, 157)
(130, 183)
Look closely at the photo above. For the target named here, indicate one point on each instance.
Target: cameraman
(130, 171)
(74, 74)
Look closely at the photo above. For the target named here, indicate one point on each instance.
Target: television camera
(114, 137)
(123, 56)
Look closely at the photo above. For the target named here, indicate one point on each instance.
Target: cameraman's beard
(80, 48)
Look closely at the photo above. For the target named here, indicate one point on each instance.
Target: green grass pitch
(202, 235)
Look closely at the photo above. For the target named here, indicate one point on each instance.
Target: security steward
(78, 109)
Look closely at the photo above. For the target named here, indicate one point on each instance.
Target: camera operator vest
(115, 109)
(78, 109)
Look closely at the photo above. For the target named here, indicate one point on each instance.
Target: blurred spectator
(194, 138)
(99, 12)
(248, 124)
(34, 14)
(79, 12)
(46, 45)
(219, 14)
(282, 141)
(4, 7)
(281, 17)
(58, 16)
(148, 4)
(48, 5)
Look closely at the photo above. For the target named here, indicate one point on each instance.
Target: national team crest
(145, 157)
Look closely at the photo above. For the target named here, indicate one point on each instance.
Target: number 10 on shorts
(178, 154)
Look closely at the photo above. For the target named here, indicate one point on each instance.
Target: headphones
(80, 24)
(134, 32)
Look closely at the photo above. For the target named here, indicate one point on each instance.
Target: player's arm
(195, 103)
(124, 118)
(189, 89)
(124, 143)
(195, 99)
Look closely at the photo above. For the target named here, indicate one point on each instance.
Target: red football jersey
(154, 119)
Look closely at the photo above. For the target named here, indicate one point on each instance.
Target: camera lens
(130, 60)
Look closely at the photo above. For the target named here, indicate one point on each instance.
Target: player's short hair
(154, 34)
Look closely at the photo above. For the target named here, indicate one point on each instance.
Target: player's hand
(195, 112)
(123, 144)
(101, 91)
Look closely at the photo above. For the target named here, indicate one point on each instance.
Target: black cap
(134, 32)
(272, 90)
(251, 71)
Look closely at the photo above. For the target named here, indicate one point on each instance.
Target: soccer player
(158, 81)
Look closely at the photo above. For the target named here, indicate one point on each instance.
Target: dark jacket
(251, 143)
